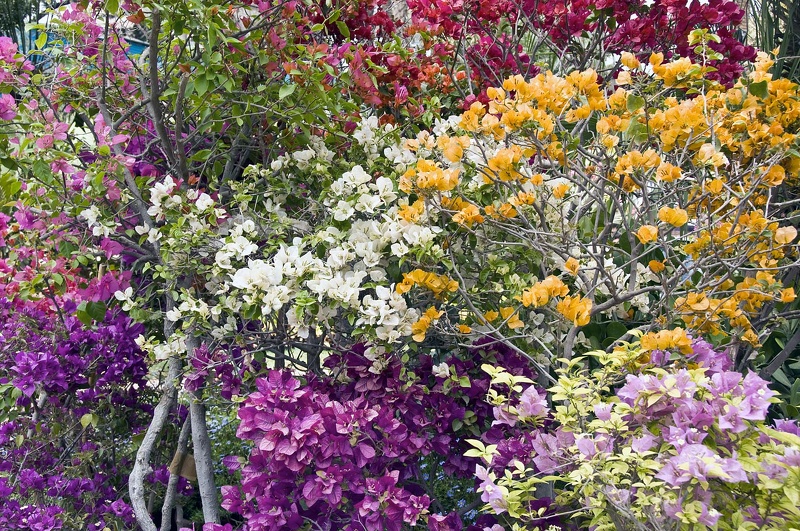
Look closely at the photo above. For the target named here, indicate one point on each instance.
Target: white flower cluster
(372, 137)
(161, 197)
(315, 157)
(175, 346)
(351, 275)
(388, 313)
(189, 306)
(354, 192)
(237, 245)
(274, 282)
(104, 228)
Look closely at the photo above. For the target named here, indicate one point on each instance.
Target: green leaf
(634, 102)
(615, 330)
(759, 89)
(286, 90)
(780, 377)
(201, 85)
(41, 40)
(636, 131)
(82, 316)
(343, 29)
(42, 170)
(90, 311)
(112, 6)
(9, 186)
(89, 418)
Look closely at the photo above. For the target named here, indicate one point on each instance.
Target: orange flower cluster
(576, 309)
(676, 339)
(632, 167)
(707, 314)
(466, 213)
(691, 175)
(429, 176)
(762, 239)
(541, 292)
(508, 314)
(412, 213)
(420, 328)
(453, 147)
(438, 284)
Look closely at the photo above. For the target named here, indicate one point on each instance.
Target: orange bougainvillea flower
(677, 217)
(788, 295)
(575, 309)
(510, 315)
(647, 234)
(572, 266)
(561, 190)
(453, 147)
(540, 293)
(668, 173)
(785, 235)
(412, 213)
(667, 340)
(630, 60)
(468, 216)
(774, 176)
(656, 266)
(420, 328)
(438, 284)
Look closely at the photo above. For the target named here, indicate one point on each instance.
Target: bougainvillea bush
(376, 241)
(667, 438)
(369, 450)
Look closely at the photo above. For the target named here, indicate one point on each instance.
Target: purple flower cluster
(701, 426)
(702, 420)
(42, 353)
(354, 452)
(224, 364)
(77, 397)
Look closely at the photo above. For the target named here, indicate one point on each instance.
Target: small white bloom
(153, 236)
(399, 249)
(377, 275)
(240, 247)
(90, 215)
(367, 203)
(248, 226)
(442, 370)
(101, 230)
(173, 315)
(156, 212)
(124, 295)
(173, 202)
(223, 260)
(343, 211)
(204, 202)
